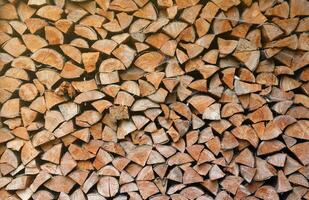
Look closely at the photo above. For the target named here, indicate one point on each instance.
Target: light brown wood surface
(154, 99)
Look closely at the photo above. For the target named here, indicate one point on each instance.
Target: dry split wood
(154, 99)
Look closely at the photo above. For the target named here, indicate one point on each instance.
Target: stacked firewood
(154, 99)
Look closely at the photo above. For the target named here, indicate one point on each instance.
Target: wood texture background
(154, 99)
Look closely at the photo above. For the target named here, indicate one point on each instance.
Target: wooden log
(53, 184)
(108, 186)
(48, 57)
(14, 47)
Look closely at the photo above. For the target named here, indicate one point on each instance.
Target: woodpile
(154, 99)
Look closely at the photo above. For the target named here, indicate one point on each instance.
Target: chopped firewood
(216, 173)
(48, 57)
(79, 153)
(42, 137)
(283, 185)
(17, 73)
(221, 24)
(231, 183)
(41, 178)
(245, 158)
(54, 184)
(10, 108)
(50, 12)
(226, 46)
(108, 186)
(261, 114)
(298, 179)
(28, 152)
(301, 152)
(21, 182)
(71, 52)
(88, 118)
(149, 61)
(140, 99)
(147, 188)
(246, 133)
(267, 192)
(85, 32)
(67, 163)
(105, 46)
(277, 159)
(299, 8)
(28, 92)
(253, 15)
(140, 155)
(245, 88)
(192, 50)
(53, 35)
(14, 47)
(264, 170)
(34, 42)
(247, 173)
(175, 28)
(230, 109)
(200, 102)
(53, 154)
(267, 147)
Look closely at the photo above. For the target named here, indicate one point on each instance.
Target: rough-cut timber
(154, 99)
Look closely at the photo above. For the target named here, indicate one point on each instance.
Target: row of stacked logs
(154, 99)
